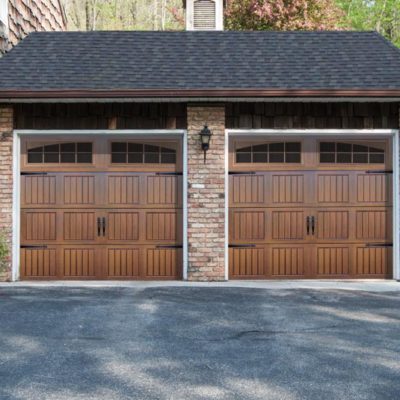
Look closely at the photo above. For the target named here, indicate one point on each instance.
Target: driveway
(198, 343)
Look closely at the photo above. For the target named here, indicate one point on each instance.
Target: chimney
(204, 15)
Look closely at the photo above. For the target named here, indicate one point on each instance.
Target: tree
(283, 15)
(380, 15)
(124, 14)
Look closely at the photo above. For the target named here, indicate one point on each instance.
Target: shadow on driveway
(198, 343)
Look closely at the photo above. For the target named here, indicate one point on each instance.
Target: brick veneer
(6, 181)
(206, 205)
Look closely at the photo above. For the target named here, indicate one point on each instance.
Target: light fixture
(205, 136)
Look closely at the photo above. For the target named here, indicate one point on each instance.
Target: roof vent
(204, 15)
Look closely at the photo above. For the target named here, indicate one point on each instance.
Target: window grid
(138, 153)
(282, 152)
(350, 153)
(61, 153)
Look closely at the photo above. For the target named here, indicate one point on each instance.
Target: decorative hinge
(33, 173)
(25, 246)
(242, 173)
(379, 245)
(242, 245)
(169, 246)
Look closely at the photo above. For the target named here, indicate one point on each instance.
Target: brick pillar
(6, 184)
(206, 195)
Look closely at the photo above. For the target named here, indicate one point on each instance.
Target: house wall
(206, 191)
(25, 16)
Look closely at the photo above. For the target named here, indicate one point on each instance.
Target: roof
(171, 64)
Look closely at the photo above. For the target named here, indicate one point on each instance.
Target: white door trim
(182, 133)
(391, 133)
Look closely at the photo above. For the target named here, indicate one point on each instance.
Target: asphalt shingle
(201, 60)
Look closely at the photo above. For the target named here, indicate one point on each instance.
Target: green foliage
(283, 15)
(4, 251)
(382, 16)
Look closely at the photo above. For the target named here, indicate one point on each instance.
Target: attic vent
(204, 15)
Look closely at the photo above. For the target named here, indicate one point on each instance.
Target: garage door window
(350, 153)
(60, 153)
(139, 153)
(282, 152)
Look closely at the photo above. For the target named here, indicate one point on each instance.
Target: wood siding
(238, 116)
(101, 116)
(312, 115)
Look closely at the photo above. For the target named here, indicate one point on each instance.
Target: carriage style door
(101, 208)
(310, 208)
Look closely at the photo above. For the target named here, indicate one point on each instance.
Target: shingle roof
(261, 60)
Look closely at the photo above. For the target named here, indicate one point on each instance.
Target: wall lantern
(205, 136)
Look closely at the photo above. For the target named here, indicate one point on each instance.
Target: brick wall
(6, 182)
(206, 195)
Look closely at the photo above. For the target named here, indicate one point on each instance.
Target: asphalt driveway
(198, 343)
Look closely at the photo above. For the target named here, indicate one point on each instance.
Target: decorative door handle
(312, 225)
(104, 226)
(308, 225)
(98, 226)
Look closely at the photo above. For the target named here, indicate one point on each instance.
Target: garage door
(310, 208)
(101, 208)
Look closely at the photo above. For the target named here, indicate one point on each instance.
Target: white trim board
(390, 133)
(112, 132)
(311, 132)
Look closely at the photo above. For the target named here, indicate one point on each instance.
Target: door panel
(80, 263)
(123, 225)
(333, 260)
(39, 262)
(288, 225)
(247, 262)
(374, 261)
(288, 261)
(79, 190)
(288, 189)
(333, 188)
(162, 263)
(332, 225)
(123, 262)
(38, 190)
(79, 226)
(247, 225)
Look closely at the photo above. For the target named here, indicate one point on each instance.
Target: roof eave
(198, 93)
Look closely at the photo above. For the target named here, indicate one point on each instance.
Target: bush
(4, 252)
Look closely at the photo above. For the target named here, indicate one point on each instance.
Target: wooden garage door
(101, 208)
(310, 208)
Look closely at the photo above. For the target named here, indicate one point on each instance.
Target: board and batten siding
(238, 116)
